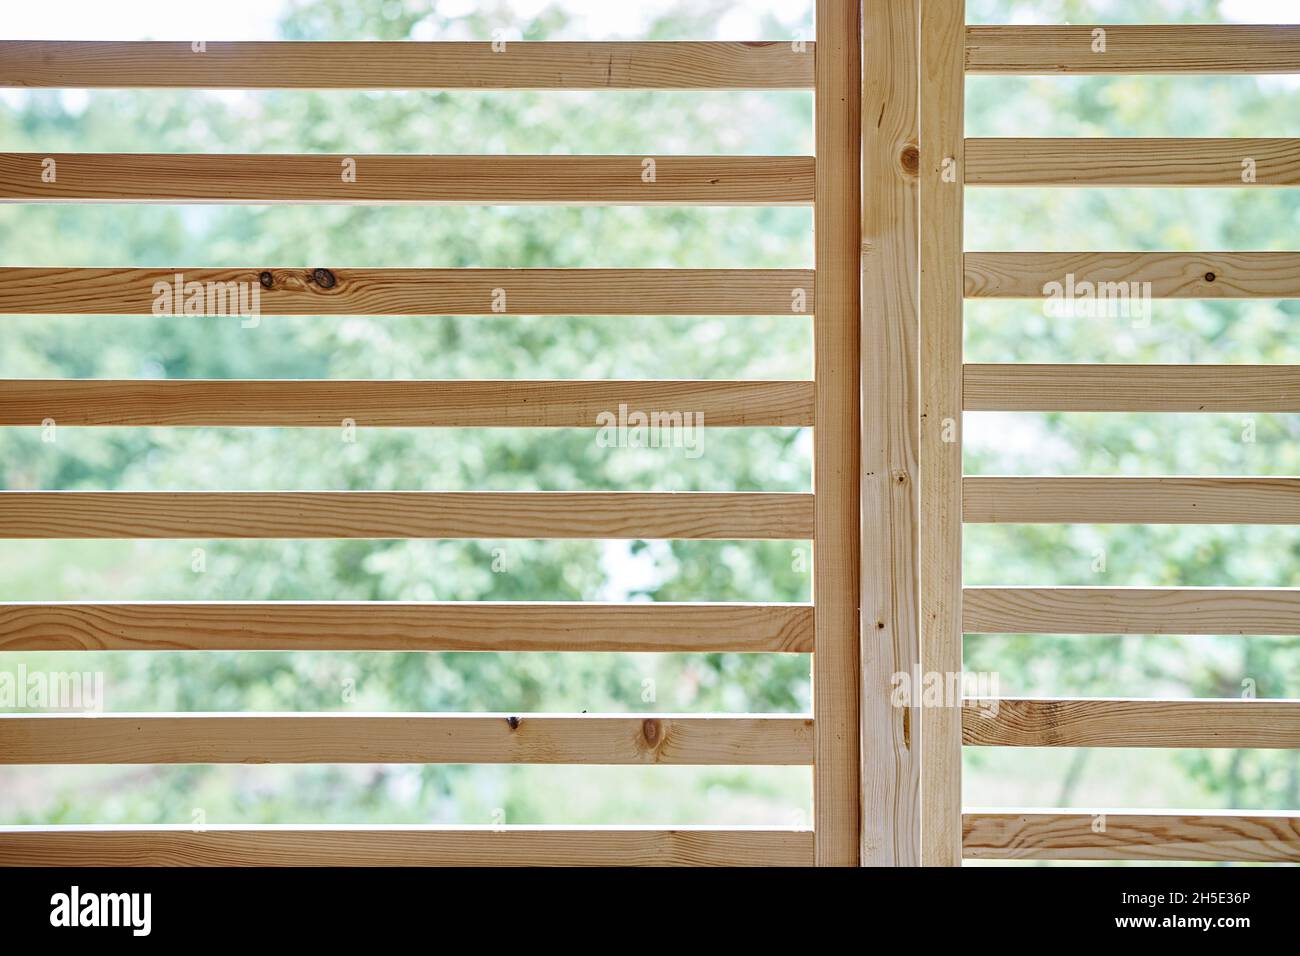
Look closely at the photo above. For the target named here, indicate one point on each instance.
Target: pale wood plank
(402, 404)
(1138, 49)
(837, 822)
(307, 845)
(1089, 610)
(196, 738)
(943, 160)
(1173, 275)
(346, 291)
(1132, 500)
(1130, 722)
(1132, 388)
(891, 767)
(413, 178)
(1132, 835)
(370, 65)
(406, 626)
(1130, 161)
(410, 514)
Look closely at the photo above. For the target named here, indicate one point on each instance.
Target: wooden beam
(942, 163)
(404, 514)
(1222, 837)
(370, 65)
(404, 404)
(308, 845)
(1115, 281)
(194, 738)
(1131, 161)
(1147, 48)
(891, 765)
(408, 178)
(1132, 388)
(837, 822)
(1085, 610)
(345, 291)
(1107, 500)
(406, 626)
(1130, 722)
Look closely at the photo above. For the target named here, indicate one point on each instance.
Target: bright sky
(255, 19)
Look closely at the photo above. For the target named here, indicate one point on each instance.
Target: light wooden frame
(826, 741)
(948, 277)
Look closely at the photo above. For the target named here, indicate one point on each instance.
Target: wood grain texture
(1173, 275)
(406, 626)
(1086, 610)
(404, 514)
(942, 160)
(1108, 500)
(837, 820)
(265, 65)
(1132, 388)
(1132, 835)
(305, 845)
(1130, 161)
(402, 404)
(1145, 48)
(414, 178)
(1130, 722)
(891, 766)
(347, 291)
(196, 738)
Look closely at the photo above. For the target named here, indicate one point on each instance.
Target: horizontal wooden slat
(405, 738)
(1131, 500)
(1173, 275)
(346, 291)
(404, 514)
(1131, 835)
(404, 404)
(1130, 161)
(1130, 722)
(1086, 610)
(1145, 48)
(413, 178)
(406, 626)
(406, 65)
(305, 845)
(1131, 388)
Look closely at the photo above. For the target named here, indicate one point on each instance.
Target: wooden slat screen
(1070, 834)
(827, 740)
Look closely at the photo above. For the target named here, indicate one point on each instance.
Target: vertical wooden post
(836, 798)
(891, 759)
(943, 79)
